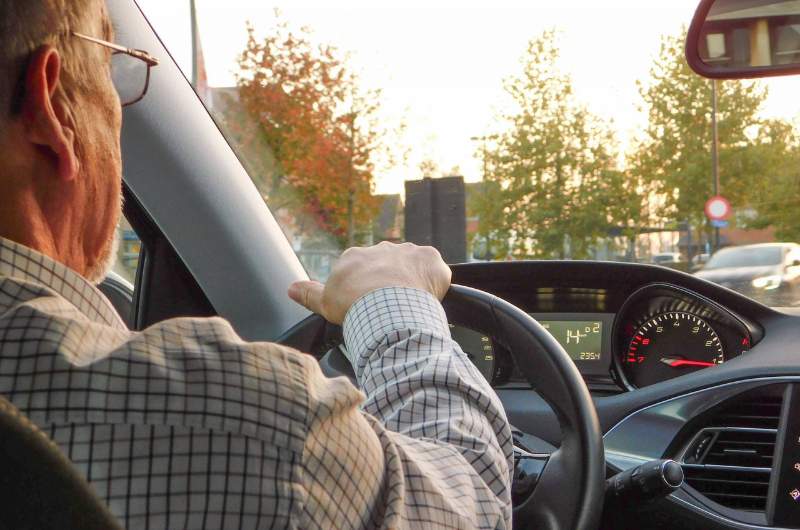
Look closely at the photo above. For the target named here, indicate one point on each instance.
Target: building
(388, 226)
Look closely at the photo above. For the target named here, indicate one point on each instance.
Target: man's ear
(48, 118)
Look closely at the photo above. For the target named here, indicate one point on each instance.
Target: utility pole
(482, 139)
(193, 12)
(714, 152)
(351, 225)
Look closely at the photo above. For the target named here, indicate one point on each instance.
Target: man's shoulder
(58, 366)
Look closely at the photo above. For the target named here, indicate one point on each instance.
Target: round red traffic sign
(718, 208)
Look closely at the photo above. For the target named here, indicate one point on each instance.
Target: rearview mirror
(737, 39)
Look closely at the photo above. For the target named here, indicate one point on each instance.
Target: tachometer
(670, 344)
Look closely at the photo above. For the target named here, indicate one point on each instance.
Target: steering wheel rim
(570, 490)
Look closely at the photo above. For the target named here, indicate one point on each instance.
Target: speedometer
(670, 344)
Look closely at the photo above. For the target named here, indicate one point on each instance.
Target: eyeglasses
(130, 69)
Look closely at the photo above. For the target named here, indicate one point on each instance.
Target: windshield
(746, 257)
(494, 131)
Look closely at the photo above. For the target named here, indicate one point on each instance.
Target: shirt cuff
(382, 311)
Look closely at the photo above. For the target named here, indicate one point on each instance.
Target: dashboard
(661, 331)
(677, 368)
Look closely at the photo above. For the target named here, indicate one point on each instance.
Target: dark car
(768, 272)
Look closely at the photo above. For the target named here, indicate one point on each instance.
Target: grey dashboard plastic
(647, 433)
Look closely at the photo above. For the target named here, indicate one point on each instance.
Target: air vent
(740, 446)
(753, 411)
(729, 460)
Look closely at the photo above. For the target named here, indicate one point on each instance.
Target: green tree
(492, 238)
(775, 180)
(553, 188)
(758, 158)
(673, 157)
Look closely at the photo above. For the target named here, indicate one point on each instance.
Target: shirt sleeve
(427, 444)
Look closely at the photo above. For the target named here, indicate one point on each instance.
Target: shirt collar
(21, 262)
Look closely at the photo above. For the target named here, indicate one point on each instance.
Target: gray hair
(27, 24)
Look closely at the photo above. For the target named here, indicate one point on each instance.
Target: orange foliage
(315, 120)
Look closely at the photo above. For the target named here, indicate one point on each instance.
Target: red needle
(675, 363)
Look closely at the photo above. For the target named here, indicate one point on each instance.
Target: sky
(441, 63)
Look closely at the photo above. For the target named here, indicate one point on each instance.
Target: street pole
(715, 152)
(483, 140)
(193, 19)
(351, 224)
(484, 158)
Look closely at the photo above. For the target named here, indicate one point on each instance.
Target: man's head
(60, 119)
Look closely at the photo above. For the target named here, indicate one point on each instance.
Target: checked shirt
(184, 425)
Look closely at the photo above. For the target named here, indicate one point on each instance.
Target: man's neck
(24, 264)
(22, 220)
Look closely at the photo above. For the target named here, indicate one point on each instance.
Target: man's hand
(361, 270)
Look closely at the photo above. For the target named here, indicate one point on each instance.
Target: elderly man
(183, 425)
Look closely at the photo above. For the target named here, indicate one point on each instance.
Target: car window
(128, 251)
(119, 285)
(746, 257)
(496, 131)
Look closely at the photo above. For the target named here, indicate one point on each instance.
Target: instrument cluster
(663, 331)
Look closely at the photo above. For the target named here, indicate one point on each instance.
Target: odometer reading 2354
(670, 344)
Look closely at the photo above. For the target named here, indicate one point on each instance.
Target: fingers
(308, 294)
(359, 271)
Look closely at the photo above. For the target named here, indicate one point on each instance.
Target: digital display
(582, 339)
(586, 337)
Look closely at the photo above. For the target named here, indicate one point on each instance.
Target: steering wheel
(569, 492)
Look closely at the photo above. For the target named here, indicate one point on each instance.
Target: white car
(665, 258)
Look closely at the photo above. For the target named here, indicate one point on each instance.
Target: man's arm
(432, 446)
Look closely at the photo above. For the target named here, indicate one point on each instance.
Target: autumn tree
(320, 126)
(554, 189)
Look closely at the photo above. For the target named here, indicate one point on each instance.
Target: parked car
(768, 272)
(699, 261)
(666, 258)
